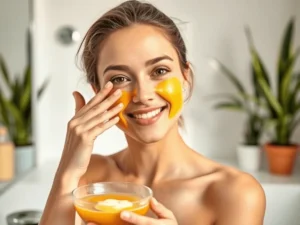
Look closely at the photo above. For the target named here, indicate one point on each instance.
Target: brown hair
(124, 15)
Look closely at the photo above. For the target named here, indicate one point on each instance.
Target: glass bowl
(103, 202)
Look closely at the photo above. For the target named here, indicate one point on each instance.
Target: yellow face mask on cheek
(170, 90)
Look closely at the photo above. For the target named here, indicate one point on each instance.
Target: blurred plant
(15, 110)
(243, 102)
(283, 104)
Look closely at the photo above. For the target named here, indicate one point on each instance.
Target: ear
(96, 90)
(187, 82)
(187, 75)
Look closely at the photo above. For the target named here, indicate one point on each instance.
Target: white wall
(214, 29)
(14, 20)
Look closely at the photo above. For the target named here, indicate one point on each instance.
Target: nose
(143, 93)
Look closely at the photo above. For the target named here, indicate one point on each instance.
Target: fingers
(99, 97)
(101, 107)
(136, 219)
(160, 210)
(101, 118)
(79, 101)
(99, 129)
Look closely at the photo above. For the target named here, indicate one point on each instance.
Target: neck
(155, 161)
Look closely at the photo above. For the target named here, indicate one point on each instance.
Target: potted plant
(249, 151)
(16, 114)
(282, 102)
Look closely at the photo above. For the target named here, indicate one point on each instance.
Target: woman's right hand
(90, 120)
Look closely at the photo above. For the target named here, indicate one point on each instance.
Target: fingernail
(117, 92)
(155, 202)
(108, 84)
(125, 215)
(120, 105)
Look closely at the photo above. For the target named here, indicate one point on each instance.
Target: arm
(76, 164)
(59, 208)
(243, 202)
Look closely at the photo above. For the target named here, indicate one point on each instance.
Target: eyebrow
(128, 70)
(157, 59)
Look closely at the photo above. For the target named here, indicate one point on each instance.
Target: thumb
(160, 210)
(79, 101)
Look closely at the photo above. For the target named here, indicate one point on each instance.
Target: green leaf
(271, 99)
(4, 114)
(286, 48)
(294, 125)
(15, 112)
(16, 91)
(42, 88)
(25, 99)
(26, 91)
(229, 105)
(257, 102)
(233, 78)
(4, 72)
(27, 78)
(292, 101)
(261, 64)
(286, 80)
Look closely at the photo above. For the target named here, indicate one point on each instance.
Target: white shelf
(264, 176)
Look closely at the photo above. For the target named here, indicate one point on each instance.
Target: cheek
(171, 91)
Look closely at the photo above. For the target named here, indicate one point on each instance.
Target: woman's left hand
(165, 216)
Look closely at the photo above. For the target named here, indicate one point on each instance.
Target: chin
(148, 137)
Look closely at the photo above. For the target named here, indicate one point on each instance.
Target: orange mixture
(104, 213)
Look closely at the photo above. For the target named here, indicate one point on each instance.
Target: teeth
(147, 115)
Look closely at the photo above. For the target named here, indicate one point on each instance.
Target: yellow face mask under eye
(170, 90)
(125, 98)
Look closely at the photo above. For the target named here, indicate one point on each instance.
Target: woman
(133, 56)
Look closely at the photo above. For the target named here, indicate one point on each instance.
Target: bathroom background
(211, 28)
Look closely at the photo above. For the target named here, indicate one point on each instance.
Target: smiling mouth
(147, 115)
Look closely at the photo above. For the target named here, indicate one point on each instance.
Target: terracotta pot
(281, 159)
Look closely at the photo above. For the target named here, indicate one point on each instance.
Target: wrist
(64, 182)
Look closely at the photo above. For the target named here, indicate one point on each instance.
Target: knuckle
(95, 108)
(100, 126)
(102, 117)
(77, 130)
(71, 124)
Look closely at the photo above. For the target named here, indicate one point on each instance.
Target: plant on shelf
(282, 101)
(15, 106)
(249, 103)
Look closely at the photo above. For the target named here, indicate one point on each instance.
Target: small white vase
(249, 157)
(24, 158)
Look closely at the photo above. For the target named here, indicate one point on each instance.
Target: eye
(119, 79)
(160, 71)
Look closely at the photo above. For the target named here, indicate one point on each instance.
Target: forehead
(134, 45)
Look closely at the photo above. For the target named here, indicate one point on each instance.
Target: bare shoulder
(238, 197)
(99, 169)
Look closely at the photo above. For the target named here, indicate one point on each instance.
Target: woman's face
(136, 60)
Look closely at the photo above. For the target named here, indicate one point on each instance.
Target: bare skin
(190, 188)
